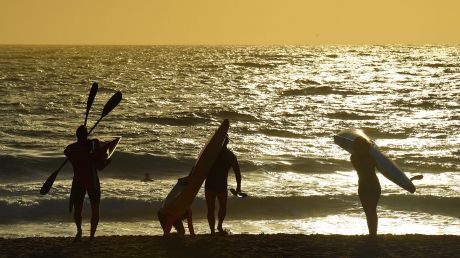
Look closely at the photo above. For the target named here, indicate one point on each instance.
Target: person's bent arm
(236, 170)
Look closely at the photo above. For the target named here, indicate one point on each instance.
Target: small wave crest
(115, 209)
(280, 133)
(343, 115)
(133, 166)
(196, 118)
(441, 65)
(307, 82)
(129, 209)
(311, 87)
(179, 120)
(124, 165)
(320, 90)
(254, 65)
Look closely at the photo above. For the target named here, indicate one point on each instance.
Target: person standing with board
(369, 189)
(216, 185)
(85, 159)
(181, 197)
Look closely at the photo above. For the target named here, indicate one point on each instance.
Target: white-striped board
(384, 164)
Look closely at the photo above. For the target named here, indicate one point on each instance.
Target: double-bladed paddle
(109, 106)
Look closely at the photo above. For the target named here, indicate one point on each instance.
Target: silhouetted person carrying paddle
(368, 185)
(85, 161)
(216, 185)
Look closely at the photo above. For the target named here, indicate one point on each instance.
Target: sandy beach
(279, 245)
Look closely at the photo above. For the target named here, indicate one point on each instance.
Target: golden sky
(305, 22)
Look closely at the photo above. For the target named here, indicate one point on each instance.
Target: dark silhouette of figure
(167, 221)
(368, 185)
(147, 178)
(216, 185)
(85, 159)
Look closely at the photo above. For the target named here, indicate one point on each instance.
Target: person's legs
(77, 196)
(222, 198)
(179, 227)
(77, 208)
(94, 218)
(369, 203)
(95, 198)
(188, 216)
(210, 203)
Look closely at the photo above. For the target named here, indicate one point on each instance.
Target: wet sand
(280, 245)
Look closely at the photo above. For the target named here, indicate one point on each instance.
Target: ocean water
(284, 104)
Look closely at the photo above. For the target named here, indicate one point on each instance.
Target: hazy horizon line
(223, 45)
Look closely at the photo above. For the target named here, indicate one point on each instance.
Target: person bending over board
(164, 219)
(368, 183)
(85, 162)
(216, 186)
(177, 224)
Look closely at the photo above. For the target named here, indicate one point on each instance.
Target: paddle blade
(91, 96)
(48, 183)
(111, 104)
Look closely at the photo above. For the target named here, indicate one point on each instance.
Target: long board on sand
(385, 165)
(200, 171)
